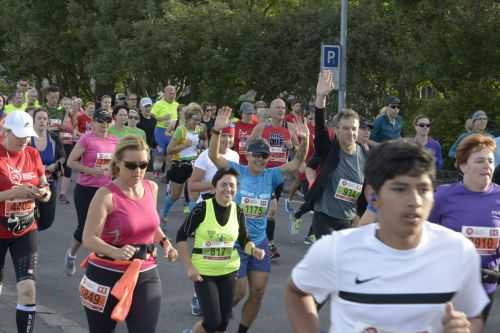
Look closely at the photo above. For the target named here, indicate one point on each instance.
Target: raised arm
(223, 120)
(323, 89)
(300, 155)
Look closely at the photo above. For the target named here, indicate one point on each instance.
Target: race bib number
(485, 239)
(253, 207)
(217, 250)
(348, 191)
(103, 160)
(66, 136)
(93, 295)
(54, 123)
(19, 207)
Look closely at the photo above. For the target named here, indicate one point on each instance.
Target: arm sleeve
(321, 138)
(471, 297)
(314, 274)
(242, 235)
(191, 223)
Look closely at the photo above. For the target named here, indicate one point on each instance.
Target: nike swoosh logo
(359, 281)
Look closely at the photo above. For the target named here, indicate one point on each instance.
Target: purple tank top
(132, 221)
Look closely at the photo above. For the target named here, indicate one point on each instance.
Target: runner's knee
(26, 292)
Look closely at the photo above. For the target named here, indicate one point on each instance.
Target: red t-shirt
(280, 141)
(24, 167)
(83, 122)
(290, 118)
(241, 133)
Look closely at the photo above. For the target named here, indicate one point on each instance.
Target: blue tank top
(48, 155)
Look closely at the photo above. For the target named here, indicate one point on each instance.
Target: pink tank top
(132, 221)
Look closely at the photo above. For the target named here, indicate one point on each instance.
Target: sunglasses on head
(260, 155)
(394, 106)
(104, 120)
(424, 125)
(134, 165)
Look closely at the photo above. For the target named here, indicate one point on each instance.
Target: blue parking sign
(330, 56)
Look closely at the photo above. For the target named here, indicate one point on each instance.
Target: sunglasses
(394, 106)
(260, 155)
(424, 125)
(106, 120)
(133, 117)
(134, 165)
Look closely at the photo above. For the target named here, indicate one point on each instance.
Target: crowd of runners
(391, 252)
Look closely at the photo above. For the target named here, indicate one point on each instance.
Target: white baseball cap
(146, 101)
(20, 123)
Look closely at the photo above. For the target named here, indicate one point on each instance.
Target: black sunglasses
(424, 125)
(260, 155)
(394, 106)
(134, 165)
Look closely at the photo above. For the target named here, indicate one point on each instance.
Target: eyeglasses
(424, 125)
(260, 155)
(482, 118)
(133, 117)
(134, 165)
(106, 120)
(394, 107)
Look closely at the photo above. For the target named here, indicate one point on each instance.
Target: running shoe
(294, 224)
(69, 264)
(273, 251)
(63, 199)
(195, 307)
(309, 240)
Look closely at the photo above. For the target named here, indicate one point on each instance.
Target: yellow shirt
(35, 105)
(163, 108)
(11, 108)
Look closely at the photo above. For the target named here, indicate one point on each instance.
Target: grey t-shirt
(344, 186)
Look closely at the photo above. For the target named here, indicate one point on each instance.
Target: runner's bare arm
(223, 120)
(300, 155)
(74, 160)
(302, 312)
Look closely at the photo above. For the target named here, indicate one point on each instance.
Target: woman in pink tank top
(122, 229)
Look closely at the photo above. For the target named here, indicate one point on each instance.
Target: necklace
(15, 174)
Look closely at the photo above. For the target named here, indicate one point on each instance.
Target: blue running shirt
(253, 196)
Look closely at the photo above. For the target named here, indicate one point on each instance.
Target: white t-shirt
(191, 151)
(204, 162)
(374, 286)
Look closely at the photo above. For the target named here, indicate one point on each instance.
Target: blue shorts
(162, 140)
(252, 264)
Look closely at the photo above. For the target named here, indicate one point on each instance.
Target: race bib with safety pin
(217, 250)
(93, 295)
(103, 160)
(348, 191)
(485, 239)
(19, 207)
(253, 207)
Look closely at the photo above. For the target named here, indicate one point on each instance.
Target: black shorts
(24, 254)
(324, 225)
(67, 150)
(180, 171)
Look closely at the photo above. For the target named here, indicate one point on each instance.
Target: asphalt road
(59, 306)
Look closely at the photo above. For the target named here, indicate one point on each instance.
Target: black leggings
(83, 196)
(215, 294)
(66, 169)
(145, 309)
(47, 210)
(323, 224)
(24, 254)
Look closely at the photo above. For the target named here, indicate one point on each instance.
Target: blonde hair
(191, 110)
(129, 142)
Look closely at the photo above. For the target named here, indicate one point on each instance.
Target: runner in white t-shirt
(402, 274)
